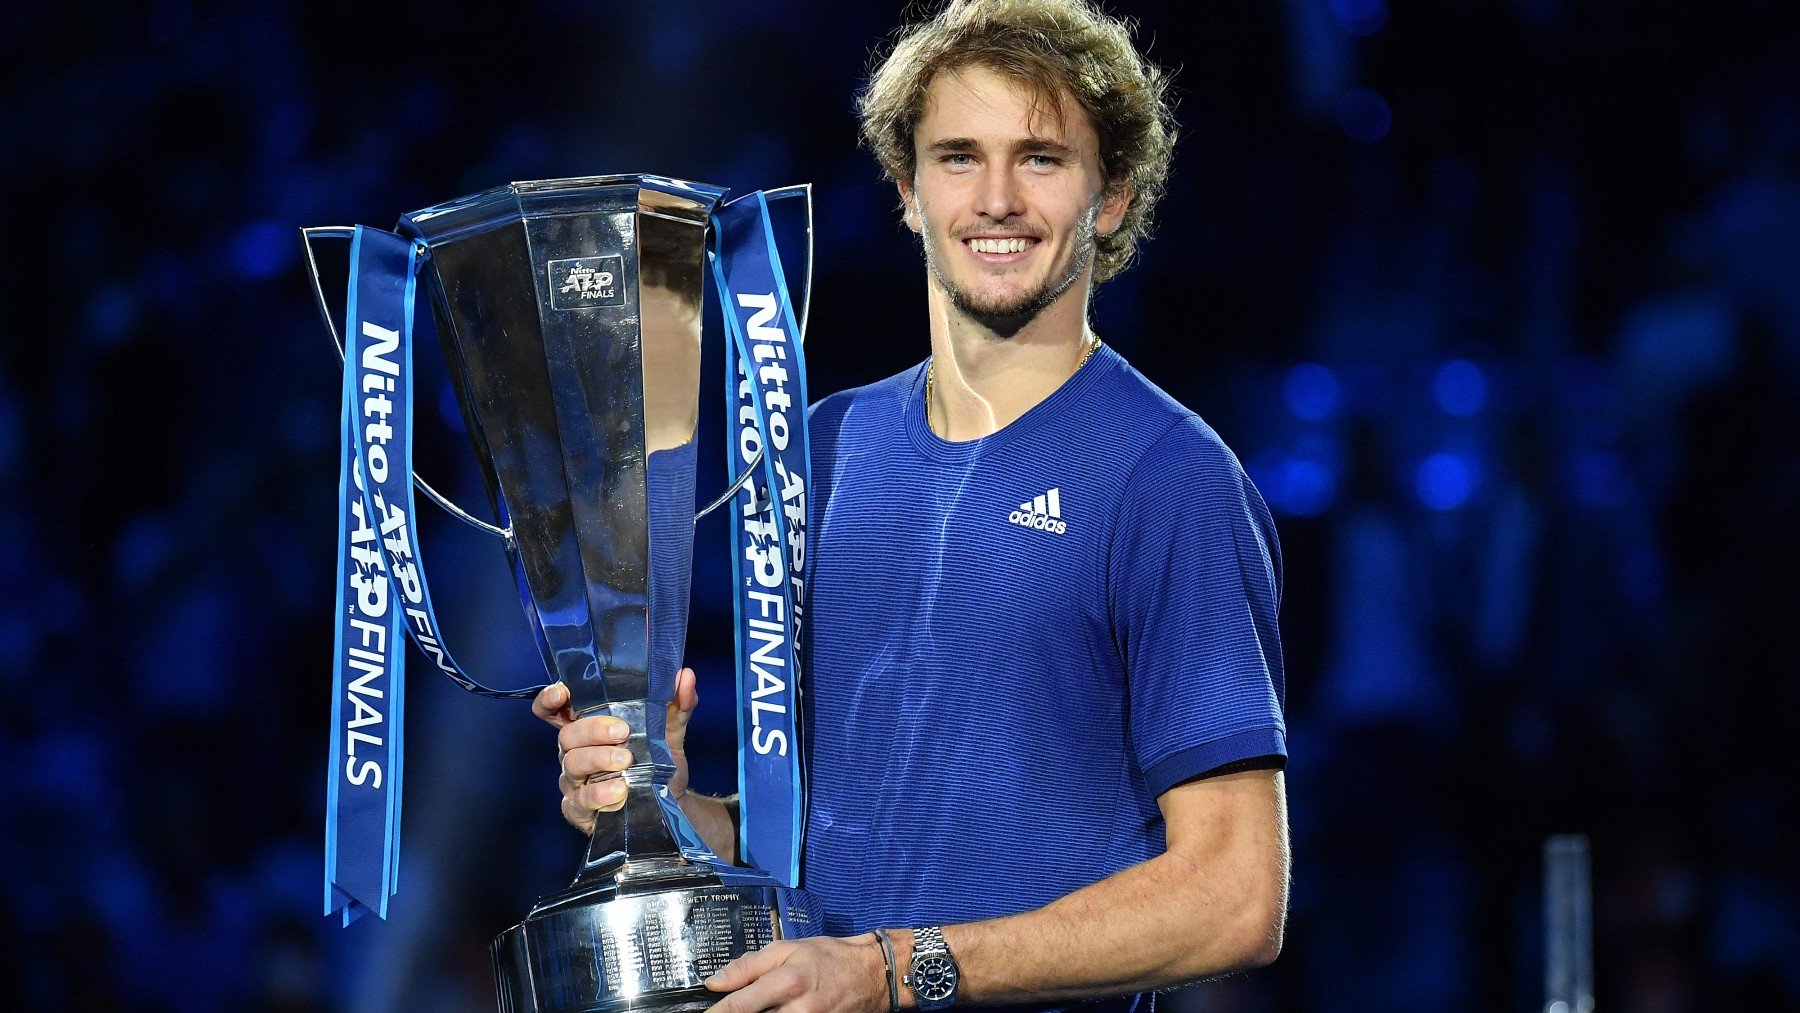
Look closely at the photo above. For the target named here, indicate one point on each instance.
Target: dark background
(1497, 301)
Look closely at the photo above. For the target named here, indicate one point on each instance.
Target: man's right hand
(593, 754)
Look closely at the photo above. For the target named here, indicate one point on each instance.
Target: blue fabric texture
(1019, 642)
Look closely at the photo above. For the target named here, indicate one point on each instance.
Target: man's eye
(1043, 161)
(959, 160)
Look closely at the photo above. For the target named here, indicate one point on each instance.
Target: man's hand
(593, 754)
(818, 975)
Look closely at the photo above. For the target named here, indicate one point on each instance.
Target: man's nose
(1000, 195)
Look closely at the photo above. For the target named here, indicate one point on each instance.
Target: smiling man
(1045, 729)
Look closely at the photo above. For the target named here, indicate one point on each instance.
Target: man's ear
(908, 205)
(1112, 209)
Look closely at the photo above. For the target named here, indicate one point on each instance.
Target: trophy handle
(732, 489)
(307, 235)
(804, 191)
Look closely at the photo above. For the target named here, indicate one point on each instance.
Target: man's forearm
(715, 819)
(1194, 912)
(1121, 935)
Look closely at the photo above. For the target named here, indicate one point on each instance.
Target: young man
(1045, 677)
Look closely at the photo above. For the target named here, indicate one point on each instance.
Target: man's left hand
(823, 974)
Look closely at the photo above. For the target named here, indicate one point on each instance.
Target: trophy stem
(637, 833)
(635, 843)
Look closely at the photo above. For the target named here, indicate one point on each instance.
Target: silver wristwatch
(933, 974)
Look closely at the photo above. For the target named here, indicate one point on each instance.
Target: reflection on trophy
(570, 313)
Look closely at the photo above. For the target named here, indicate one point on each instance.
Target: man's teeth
(999, 245)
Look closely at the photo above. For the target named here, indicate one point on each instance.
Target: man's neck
(982, 381)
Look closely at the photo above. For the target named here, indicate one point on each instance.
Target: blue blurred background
(1498, 301)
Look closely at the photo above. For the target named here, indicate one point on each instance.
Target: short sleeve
(1195, 591)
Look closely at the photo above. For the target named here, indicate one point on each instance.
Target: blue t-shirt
(1018, 642)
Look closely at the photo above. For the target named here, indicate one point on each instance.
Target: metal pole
(1568, 925)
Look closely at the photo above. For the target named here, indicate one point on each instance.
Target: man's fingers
(580, 764)
(598, 730)
(681, 707)
(580, 802)
(587, 749)
(764, 994)
(576, 816)
(739, 1002)
(687, 690)
(603, 796)
(746, 969)
(776, 988)
(550, 702)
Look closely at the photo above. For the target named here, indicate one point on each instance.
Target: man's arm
(715, 819)
(1214, 902)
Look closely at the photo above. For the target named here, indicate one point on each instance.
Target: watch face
(936, 977)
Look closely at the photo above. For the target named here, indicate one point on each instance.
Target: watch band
(930, 939)
(932, 974)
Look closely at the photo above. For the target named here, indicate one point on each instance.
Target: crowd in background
(1497, 300)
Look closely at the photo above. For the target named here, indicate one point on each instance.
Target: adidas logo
(1043, 513)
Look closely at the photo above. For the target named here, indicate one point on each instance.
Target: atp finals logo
(586, 282)
(1043, 513)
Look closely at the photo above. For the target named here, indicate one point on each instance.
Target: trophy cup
(570, 314)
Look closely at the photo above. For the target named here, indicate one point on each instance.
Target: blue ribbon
(362, 809)
(766, 404)
(382, 593)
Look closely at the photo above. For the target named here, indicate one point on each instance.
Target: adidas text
(1041, 522)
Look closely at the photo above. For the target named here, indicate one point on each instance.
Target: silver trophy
(570, 314)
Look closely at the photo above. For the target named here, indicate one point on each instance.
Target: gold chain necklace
(1093, 344)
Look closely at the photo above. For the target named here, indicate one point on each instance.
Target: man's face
(1007, 204)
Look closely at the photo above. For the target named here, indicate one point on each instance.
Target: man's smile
(1000, 249)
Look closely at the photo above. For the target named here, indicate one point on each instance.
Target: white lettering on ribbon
(769, 565)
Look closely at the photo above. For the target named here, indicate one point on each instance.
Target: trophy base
(602, 950)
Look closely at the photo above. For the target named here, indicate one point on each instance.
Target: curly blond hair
(1055, 48)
